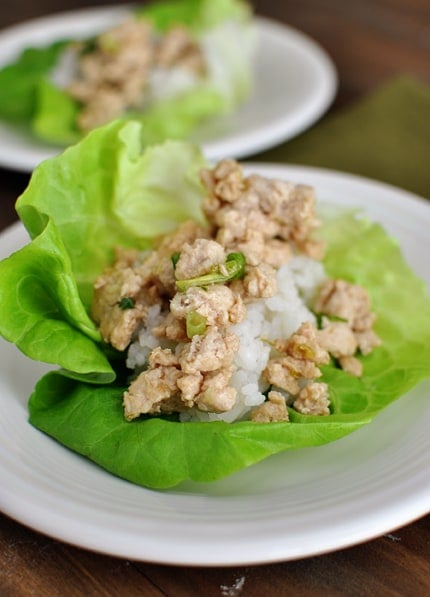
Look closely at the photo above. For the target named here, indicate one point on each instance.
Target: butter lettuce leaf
(197, 15)
(20, 81)
(106, 192)
(41, 311)
(160, 452)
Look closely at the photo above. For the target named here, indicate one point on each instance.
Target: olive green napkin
(386, 136)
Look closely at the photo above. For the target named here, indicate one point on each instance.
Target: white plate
(295, 82)
(299, 503)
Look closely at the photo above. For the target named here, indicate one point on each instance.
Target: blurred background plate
(295, 83)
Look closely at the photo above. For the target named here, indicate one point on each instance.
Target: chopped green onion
(232, 269)
(175, 259)
(126, 303)
(334, 318)
(195, 323)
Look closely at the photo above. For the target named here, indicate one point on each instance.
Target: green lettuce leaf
(197, 15)
(105, 192)
(54, 118)
(42, 312)
(22, 78)
(157, 452)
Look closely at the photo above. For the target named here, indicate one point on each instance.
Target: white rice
(268, 319)
(139, 350)
(277, 317)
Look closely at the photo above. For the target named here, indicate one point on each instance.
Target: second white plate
(295, 82)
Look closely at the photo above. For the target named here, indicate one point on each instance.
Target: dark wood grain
(370, 42)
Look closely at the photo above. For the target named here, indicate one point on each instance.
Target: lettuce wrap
(38, 102)
(106, 191)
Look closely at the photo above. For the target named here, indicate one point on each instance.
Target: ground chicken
(351, 365)
(217, 304)
(112, 77)
(273, 410)
(117, 306)
(338, 339)
(304, 344)
(177, 49)
(313, 400)
(154, 390)
(346, 301)
(285, 372)
(190, 385)
(260, 282)
(268, 221)
(208, 352)
(247, 212)
(216, 394)
(158, 268)
(350, 303)
(171, 328)
(199, 258)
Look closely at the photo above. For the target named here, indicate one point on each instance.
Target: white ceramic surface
(299, 503)
(295, 82)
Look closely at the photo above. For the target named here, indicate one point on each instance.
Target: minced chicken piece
(247, 211)
(367, 341)
(208, 352)
(198, 258)
(279, 376)
(216, 394)
(285, 372)
(112, 77)
(260, 282)
(177, 49)
(350, 303)
(171, 328)
(273, 410)
(117, 306)
(153, 390)
(338, 339)
(157, 268)
(224, 183)
(313, 400)
(217, 304)
(305, 344)
(190, 385)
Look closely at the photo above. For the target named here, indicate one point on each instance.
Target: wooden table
(370, 41)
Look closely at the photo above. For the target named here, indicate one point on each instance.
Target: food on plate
(203, 317)
(172, 64)
(214, 319)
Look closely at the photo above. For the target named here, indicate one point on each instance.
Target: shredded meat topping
(186, 279)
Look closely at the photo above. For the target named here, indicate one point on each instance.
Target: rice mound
(267, 319)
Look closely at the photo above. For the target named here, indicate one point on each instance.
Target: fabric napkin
(386, 136)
